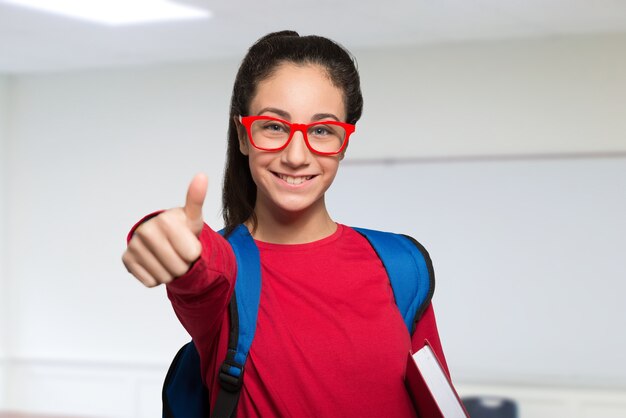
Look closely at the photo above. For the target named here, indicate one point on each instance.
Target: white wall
(93, 151)
(4, 312)
(499, 98)
(528, 258)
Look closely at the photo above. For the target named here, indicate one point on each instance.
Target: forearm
(200, 297)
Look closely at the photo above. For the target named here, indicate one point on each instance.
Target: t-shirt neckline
(304, 246)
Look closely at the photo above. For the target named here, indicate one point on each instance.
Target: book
(430, 388)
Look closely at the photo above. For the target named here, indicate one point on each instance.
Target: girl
(329, 338)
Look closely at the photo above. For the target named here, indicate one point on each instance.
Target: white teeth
(294, 180)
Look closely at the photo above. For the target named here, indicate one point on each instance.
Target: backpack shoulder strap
(184, 392)
(410, 272)
(244, 308)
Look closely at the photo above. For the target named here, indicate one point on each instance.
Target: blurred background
(494, 132)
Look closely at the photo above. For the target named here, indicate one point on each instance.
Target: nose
(296, 153)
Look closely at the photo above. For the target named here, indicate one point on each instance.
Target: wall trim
(123, 390)
(489, 158)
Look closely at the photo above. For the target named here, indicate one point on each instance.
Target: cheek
(332, 163)
(258, 164)
(331, 168)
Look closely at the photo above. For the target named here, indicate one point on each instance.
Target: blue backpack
(410, 272)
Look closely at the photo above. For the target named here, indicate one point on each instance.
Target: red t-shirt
(330, 340)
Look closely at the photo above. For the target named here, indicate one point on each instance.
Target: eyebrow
(285, 115)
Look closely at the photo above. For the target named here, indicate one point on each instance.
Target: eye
(321, 130)
(274, 127)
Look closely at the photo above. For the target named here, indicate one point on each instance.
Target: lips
(293, 180)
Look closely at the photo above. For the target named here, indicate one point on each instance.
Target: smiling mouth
(293, 180)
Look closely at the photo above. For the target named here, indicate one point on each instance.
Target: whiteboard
(528, 256)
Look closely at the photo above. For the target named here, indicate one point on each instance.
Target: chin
(297, 206)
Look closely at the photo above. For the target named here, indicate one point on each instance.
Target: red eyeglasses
(267, 133)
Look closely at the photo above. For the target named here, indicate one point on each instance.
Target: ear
(242, 136)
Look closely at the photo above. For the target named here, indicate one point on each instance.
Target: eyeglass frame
(247, 122)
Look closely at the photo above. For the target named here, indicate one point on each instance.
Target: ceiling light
(116, 12)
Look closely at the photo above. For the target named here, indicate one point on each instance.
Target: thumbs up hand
(165, 247)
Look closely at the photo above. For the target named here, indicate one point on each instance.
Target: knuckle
(180, 270)
(129, 264)
(176, 265)
(151, 284)
(126, 259)
(133, 251)
(164, 277)
(172, 215)
(173, 220)
(168, 217)
(143, 231)
(193, 253)
(148, 282)
(164, 280)
(172, 223)
(197, 251)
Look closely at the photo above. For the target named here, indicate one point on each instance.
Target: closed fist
(165, 247)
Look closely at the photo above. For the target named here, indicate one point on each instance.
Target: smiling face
(293, 181)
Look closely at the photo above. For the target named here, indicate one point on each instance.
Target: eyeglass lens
(322, 137)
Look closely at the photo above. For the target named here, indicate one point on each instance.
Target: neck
(279, 227)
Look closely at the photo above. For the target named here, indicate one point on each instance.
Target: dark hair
(262, 59)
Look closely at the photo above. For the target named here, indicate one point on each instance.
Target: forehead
(301, 90)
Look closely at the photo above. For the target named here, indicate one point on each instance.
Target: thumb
(196, 193)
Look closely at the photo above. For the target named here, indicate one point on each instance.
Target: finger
(171, 241)
(171, 261)
(146, 259)
(184, 242)
(196, 193)
(136, 270)
(143, 276)
(158, 242)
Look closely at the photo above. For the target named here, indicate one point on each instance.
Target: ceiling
(32, 41)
